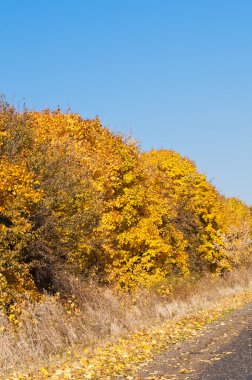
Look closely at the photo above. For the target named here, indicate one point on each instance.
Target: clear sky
(177, 74)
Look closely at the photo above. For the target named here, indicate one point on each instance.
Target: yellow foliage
(75, 195)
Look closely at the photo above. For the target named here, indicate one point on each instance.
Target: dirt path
(222, 350)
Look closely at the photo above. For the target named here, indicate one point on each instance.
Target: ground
(221, 351)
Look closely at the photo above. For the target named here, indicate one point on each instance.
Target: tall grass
(98, 314)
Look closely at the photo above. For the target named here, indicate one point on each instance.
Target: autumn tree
(76, 198)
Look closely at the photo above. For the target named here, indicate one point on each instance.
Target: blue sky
(177, 74)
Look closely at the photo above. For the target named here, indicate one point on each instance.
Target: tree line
(77, 198)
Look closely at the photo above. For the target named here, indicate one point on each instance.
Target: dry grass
(99, 315)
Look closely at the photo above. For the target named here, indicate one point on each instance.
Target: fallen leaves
(123, 358)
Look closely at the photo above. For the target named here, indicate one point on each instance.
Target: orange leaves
(155, 215)
(17, 196)
(16, 182)
(89, 198)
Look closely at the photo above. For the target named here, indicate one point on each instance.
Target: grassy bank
(100, 334)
